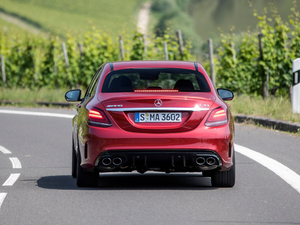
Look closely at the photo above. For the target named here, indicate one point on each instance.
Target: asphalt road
(37, 188)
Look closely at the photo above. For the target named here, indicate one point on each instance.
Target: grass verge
(279, 108)
(27, 96)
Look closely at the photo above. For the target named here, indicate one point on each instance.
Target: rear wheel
(85, 179)
(224, 178)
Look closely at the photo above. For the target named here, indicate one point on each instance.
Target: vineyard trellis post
(3, 69)
(80, 49)
(233, 52)
(265, 93)
(166, 50)
(145, 45)
(180, 43)
(121, 47)
(211, 60)
(65, 54)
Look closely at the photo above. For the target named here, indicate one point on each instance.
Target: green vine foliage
(72, 71)
(246, 69)
(295, 42)
(48, 73)
(3, 44)
(97, 49)
(246, 73)
(137, 51)
(283, 78)
(227, 76)
(26, 65)
(276, 55)
(31, 63)
(20, 64)
(12, 64)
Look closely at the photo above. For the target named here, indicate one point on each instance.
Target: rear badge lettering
(204, 105)
(114, 106)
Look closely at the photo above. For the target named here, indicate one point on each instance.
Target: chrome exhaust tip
(200, 161)
(117, 161)
(210, 161)
(106, 161)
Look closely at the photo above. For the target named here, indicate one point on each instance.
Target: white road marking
(4, 150)
(12, 179)
(36, 113)
(16, 164)
(2, 197)
(285, 173)
(281, 170)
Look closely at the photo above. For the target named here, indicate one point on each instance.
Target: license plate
(148, 117)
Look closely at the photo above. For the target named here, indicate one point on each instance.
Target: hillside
(75, 17)
(209, 17)
(13, 26)
(203, 19)
(198, 19)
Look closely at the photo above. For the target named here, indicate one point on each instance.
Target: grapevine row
(36, 63)
(256, 63)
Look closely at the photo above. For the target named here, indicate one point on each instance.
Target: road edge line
(285, 173)
(29, 113)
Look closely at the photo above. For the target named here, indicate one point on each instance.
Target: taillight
(218, 117)
(98, 118)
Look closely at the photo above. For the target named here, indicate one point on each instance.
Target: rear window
(155, 80)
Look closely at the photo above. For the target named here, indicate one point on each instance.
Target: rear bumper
(158, 160)
(160, 151)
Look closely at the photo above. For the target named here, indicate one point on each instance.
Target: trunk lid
(157, 113)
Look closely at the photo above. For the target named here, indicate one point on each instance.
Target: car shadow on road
(132, 181)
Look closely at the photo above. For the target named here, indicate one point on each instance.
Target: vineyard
(245, 68)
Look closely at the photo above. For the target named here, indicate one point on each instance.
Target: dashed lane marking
(16, 164)
(12, 179)
(285, 173)
(4, 150)
(2, 197)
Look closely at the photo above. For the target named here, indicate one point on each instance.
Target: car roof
(153, 64)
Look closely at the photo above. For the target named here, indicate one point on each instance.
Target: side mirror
(225, 94)
(73, 95)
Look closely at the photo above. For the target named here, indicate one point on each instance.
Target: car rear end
(163, 116)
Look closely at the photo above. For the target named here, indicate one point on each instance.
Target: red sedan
(152, 115)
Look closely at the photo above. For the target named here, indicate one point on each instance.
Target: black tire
(86, 179)
(74, 161)
(224, 178)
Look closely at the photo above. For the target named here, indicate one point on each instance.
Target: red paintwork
(126, 119)
(126, 134)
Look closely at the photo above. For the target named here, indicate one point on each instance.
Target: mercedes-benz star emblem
(158, 103)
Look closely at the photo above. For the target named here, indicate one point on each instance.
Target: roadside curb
(270, 123)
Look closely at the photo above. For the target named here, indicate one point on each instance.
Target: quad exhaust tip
(200, 161)
(117, 161)
(108, 161)
(210, 161)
